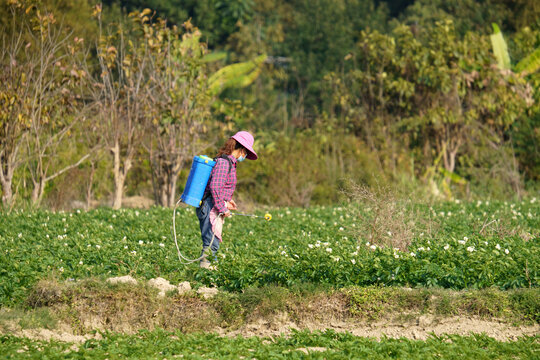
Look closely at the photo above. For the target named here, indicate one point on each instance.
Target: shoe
(205, 264)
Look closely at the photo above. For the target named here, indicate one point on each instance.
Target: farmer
(217, 201)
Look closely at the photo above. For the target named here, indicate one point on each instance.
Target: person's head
(240, 145)
(233, 147)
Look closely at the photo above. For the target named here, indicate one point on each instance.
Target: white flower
(506, 251)
(355, 253)
(396, 256)
(373, 247)
(310, 246)
(47, 236)
(98, 247)
(389, 233)
(367, 243)
(446, 247)
(341, 228)
(329, 250)
(80, 262)
(61, 269)
(470, 248)
(318, 244)
(162, 244)
(133, 252)
(283, 252)
(465, 238)
(353, 261)
(462, 242)
(125, 246)
(110, 227)
(421, 248)
(20, 235)
(141, 242)
(413, 254)
(336, 258)
(114, 216)
(65, 244)
(498, 247)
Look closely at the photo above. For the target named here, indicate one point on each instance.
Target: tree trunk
(6, 179)
(38, 191)
(172, 189)
(119, 173)
(7, 193)
(89, 188)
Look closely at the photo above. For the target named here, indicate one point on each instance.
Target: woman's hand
(231, 205)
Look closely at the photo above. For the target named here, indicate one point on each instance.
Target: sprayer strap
(226, 157)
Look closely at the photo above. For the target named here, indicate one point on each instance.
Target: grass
(159, 344)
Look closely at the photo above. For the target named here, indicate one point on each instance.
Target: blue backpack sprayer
(197, 180)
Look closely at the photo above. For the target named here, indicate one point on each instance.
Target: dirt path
(420, 329)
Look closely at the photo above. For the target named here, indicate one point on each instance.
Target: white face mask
(241, 158)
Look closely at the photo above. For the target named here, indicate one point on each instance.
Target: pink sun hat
(246, 139)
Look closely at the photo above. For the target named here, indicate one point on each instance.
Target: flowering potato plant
(317, 245)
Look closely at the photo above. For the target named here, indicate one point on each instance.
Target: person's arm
(217, 183)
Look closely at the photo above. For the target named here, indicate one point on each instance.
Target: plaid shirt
(222, 183)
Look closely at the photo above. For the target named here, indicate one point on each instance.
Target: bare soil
(418, 328)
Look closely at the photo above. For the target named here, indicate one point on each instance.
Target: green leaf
(235, 75)
(529, 64)
(500, 50)
(214, 56)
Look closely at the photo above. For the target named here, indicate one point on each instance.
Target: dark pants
(203, 213)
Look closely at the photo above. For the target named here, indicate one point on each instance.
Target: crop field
(314, 245)
(301, 345)
(473, 245)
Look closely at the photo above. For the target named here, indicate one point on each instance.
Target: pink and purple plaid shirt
(222, 183)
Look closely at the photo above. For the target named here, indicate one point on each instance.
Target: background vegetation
(102, 101)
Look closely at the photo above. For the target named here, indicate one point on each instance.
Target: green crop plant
(477, 245)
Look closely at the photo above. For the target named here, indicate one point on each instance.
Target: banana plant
(526, 66)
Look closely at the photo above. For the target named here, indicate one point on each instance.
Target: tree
(39, 88)
(119, 93)
(434, 93)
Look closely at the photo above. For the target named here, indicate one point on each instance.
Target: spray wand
(266, 216)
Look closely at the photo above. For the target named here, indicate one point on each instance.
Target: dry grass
(384, 218)
(94, 305)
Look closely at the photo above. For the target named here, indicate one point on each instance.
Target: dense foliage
(318, 245)
(402, 92)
